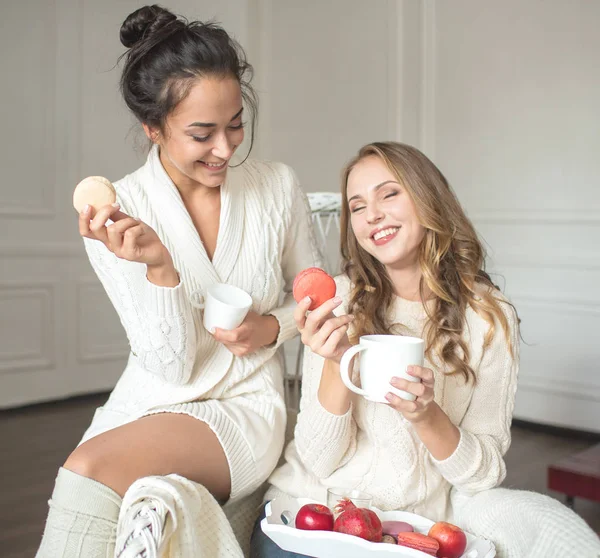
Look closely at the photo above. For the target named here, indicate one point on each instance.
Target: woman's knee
(91, 462)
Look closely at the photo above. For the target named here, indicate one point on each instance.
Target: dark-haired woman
(205, 405)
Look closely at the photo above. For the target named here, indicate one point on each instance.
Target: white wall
(329, 80)
(502, 95)
(63, 119)
(513, 122)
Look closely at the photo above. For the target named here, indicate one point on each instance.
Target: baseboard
(76, 399)
(557, 430)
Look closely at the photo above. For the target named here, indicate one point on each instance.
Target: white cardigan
(265, 238)
(373, 448)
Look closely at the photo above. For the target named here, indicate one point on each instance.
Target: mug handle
(345, 369)
(197, 300)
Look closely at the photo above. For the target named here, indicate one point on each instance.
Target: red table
(577, 476)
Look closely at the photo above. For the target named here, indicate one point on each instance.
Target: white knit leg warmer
(82, 521)
(526, 524)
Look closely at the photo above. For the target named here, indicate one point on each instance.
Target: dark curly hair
(167, 54)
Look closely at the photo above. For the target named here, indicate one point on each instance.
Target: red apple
(314, 517)
(452, 539)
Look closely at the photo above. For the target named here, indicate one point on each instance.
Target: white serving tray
(328, 544)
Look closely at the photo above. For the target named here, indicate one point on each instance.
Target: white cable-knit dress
(265, 238)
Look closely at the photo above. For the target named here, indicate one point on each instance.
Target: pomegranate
(360, 522)
(452, 539)
(314, 517)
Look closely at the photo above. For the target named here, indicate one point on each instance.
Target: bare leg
(85, 504)
(155, 445)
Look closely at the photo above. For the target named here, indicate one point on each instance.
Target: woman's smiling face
(203, 132)
(383, 215)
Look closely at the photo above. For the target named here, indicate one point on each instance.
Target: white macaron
(96, 191)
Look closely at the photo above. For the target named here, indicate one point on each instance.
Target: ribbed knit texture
(177, 518)
(265, 238)
(240, 455)
(525, 524)
(374, 449)
(82, 520)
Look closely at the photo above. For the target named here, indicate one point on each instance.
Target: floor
(36, 440)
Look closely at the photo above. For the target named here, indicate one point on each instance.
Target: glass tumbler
(358, 498)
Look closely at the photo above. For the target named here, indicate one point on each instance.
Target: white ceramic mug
(225, 306)
(383, 357)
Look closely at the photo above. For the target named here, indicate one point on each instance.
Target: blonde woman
(413, 265)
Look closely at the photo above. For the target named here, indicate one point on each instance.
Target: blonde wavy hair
(451, 259)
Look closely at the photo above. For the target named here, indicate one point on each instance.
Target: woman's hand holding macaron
(130, 239)
(321, 330)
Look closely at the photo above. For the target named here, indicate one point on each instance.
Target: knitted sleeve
(157, 320)
(324, 441)
(478, 461)
(299, 252)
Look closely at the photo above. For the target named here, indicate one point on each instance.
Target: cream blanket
(173, 517)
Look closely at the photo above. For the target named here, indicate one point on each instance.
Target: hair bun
(142, 22)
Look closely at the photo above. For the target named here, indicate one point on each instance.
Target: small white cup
(383, 357)
(225, 306)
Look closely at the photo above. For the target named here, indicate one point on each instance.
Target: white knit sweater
(375, 449)
(265, 238)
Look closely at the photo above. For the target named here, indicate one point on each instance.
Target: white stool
(325, 208)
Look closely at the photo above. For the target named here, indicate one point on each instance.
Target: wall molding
(107, 355)
(542, 384)
(427, 85)
(427, 134)
(70, 26)
(24, 212)
(536, 216)
(44, 250)
(582, 311)
(575, 306)
(562, 388)
(35, 360)
(261, 37)
(394, 69)
(44, 197)
(100, 352)
(577, 262)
